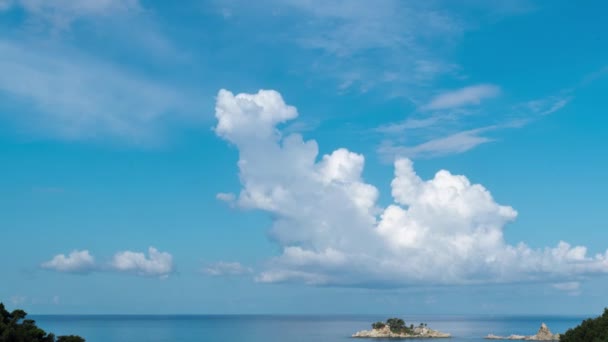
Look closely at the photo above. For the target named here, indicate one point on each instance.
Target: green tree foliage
(397, 325)
(15, 328)
(590, 330)
(378, 325)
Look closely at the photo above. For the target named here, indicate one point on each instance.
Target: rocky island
(543, 334)
(396, 328)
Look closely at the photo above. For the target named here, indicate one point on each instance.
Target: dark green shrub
(590, 330)
(14, 327)
(70, 338)
(378, 325)
(397, 325)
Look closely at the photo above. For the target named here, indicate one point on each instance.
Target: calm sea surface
(281, 328)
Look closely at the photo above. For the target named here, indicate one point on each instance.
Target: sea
(281, 328)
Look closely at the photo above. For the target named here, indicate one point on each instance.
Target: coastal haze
(298, 170)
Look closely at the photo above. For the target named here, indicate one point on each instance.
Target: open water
(270, 328)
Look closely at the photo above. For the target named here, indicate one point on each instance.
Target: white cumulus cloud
(75, 262)
(156, 263)
(326, 219)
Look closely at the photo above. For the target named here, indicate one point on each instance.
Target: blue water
(281, 328)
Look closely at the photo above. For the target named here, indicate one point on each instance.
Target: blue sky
(303, 156)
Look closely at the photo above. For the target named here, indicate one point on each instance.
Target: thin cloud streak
(456, 143)
(471, 95)
(224, 268)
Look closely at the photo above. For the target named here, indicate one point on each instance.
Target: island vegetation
(592, 330)
(14, 327)
(397, 326)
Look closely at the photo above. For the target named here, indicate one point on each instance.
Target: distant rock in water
(396, 328)
(543, 334)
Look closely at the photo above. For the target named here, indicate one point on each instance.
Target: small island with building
(397, 328)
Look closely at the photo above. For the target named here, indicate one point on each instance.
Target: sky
(303, 157)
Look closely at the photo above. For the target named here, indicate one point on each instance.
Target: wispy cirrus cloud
(362, 46)
(444, 131)
(225, 196)
(224, 268)
(408, 124)
(56, 79)
(572, 288)
(439, 127)
(113, 21)
(84, 98)
(547, 105)
(458, 142)
(61, 13)
(470, 95)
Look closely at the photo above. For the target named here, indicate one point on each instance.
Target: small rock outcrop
(543, 334)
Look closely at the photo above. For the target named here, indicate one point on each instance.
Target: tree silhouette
(15, 328)
(592, 330)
